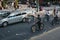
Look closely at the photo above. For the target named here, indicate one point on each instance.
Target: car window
(11, 16)
(23, 13)
(5, 14)
(18, 14)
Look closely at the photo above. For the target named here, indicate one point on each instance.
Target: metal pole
(37, 4)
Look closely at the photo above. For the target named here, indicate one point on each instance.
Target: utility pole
(16, 4)
(37, 4)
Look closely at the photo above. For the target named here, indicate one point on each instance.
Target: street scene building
(29, 19)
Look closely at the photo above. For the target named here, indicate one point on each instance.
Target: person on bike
(39, 22)
(47, 15)
(56, 18)
(54, 11)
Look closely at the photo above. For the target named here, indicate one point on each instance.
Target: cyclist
(39, 22)
(39, 25)
(55, 20)
(47, 15)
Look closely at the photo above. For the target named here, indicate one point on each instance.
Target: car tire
(5, 24)
(23, 20)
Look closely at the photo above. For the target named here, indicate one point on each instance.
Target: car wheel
(23, 20)
(5, 24)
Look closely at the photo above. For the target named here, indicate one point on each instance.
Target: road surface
(50, 35)
(22, 31)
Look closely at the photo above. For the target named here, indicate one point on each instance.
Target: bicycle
(54, 22)
(35, 27)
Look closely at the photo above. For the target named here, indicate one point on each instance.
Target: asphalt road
(22, 31)
(15, 30)
(50, 35)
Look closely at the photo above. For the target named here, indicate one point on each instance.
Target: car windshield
(5, 14)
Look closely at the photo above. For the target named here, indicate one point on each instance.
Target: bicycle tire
(33, 28)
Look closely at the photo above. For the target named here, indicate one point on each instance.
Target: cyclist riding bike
(55, 20)
(37, 26)
(39, 22)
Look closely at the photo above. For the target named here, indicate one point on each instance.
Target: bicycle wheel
(42, 27)
(53, 22)
(33, 28)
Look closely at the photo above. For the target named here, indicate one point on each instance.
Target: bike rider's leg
(52, 22)
(39, 26)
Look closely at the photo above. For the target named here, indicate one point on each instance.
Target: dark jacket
(39, 21)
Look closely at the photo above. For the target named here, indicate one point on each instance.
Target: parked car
(12, 18)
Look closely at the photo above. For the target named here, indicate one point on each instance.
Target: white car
(12, 18)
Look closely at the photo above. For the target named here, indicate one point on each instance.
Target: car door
(12, 19)
(18, 17)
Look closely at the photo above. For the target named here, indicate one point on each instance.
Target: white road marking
(20, 34)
